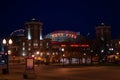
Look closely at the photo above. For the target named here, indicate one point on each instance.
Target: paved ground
(47, 72)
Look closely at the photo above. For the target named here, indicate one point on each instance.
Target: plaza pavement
(50, 72)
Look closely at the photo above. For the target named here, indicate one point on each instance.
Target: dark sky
(76, 15)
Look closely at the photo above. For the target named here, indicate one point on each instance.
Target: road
(48, 72)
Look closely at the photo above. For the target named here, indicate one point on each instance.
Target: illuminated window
(35, 44)
(29, 49)
(52, 36)
(48, 53)
(72, 36)
(102, 51)
(55, 35)
(119, 42)
(107, 44)
(23, 54)
(29, 44)
(47, 44)
(53, 53)
(40, 44)
(23, 48)
(58, 34)
(41, 54)
(56, 53)
(61, 34)
(102, 38)
(75, 37)
(66, 34)
(23, 43)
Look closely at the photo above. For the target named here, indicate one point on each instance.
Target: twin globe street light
(6, 45)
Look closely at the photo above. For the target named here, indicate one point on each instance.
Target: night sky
(75, 15)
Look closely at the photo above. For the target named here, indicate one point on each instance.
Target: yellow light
(63, 45)
(4, 41)
(9, 52)
(33, 56)
(62, 49)
(37, 52)
(10, 41)
(63, 55)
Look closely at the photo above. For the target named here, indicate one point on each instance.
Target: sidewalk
(15, 73)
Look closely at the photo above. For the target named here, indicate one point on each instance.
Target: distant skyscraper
(103, 33)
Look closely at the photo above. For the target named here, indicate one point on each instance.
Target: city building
(103, 40)
(64, 46)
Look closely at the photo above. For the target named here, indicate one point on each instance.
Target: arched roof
(19, 32)
(62, 35)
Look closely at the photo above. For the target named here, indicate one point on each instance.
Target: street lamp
(6, 44)
(63, 55)
(63, 59)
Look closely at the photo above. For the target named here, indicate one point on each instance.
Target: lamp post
(63, 55)
(6, 44)
(38, 56)
(63, 59)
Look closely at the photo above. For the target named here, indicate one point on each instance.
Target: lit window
(23, 54)
(102, 51)
(75, 37)
(72, 36)
(23, 43)
(58, 34)
(23, 48)
(40, 44)
(61, 34)
(52, 36)
(48, 53)
(29, 44)
(35, 44)
(66, 34)
(41, 54)
(29, 49)
(102, 38)
(107, 44)
(91, 50)
(119, 42)
(55, 35)
(56, 53)
(47, 44)
(53, 53)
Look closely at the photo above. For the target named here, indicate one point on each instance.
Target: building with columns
(33, 35)
(66, 47)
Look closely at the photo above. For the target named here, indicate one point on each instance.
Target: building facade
(103, 40)
(66, 47)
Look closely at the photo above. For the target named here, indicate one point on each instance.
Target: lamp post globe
(6, 45)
